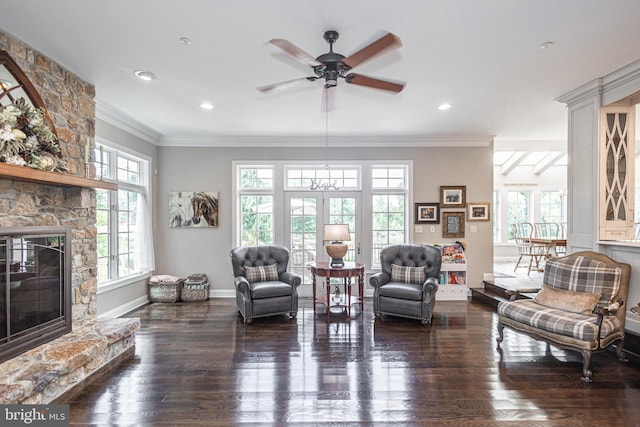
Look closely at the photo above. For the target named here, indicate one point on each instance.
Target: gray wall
(185, 251)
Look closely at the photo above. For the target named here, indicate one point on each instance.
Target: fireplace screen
(35, 301)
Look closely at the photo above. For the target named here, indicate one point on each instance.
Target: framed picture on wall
(453, 224)
(427, 213)
(479, 211)
(453, 196)
(191, 209)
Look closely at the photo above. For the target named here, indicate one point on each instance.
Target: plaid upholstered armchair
(580, 306)
(407, 284)
(263, 285)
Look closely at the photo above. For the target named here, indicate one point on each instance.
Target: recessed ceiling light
(546, 45)
(145, 75)
(206, 106)
(185, 41)
(444, 106)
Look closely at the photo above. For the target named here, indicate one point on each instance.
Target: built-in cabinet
(453, 273)
(616, 161)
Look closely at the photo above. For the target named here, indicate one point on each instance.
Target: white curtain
(144, 257)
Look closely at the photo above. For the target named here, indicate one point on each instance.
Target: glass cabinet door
(616, 175)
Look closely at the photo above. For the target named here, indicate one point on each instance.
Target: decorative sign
(319, 184)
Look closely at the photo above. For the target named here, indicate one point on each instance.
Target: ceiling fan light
(145, 75)
(444, 106)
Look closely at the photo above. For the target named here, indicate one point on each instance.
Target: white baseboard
(125, 308)
(222, 293)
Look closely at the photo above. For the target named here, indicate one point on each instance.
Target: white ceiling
(484, 57)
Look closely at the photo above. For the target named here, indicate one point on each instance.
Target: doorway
(307, 212)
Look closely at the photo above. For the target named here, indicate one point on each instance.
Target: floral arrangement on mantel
(27, 140)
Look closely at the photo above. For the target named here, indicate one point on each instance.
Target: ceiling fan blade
(328, 99)
(295, 51)
(383, 44)
(359, 79)
(282, 85)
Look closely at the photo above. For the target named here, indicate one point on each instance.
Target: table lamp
(335, 234)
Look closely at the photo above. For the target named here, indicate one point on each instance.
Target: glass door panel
(307, 212)
(344, 209)
(303, 230)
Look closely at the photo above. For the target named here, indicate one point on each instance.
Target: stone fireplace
(43, 373)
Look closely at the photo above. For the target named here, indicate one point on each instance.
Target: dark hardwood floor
(197, 364)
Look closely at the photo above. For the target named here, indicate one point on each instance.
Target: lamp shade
(336, 233)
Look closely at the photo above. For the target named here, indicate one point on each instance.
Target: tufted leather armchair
(407, 292)
(264, 295)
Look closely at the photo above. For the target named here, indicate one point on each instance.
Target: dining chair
(546, 230)
(522, 234)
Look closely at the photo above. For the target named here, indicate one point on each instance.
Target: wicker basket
(195, 288)
(165, 288)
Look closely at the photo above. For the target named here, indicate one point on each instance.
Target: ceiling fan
(331, 66)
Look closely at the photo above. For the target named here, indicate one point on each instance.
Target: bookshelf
(453, 273)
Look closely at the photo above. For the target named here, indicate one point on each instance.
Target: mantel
(23, 173)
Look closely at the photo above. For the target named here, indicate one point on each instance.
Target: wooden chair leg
(586, 372)
(530, 263)
(620, 352)
(518, 263)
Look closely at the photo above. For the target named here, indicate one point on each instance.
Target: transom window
(315, 178)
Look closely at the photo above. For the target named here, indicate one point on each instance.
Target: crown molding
(585, 92)
(612, 87)
(309, 141)
(117, 118)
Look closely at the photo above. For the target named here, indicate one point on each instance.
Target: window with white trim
(518, 203)
(315, 178)
(551, 206)
(255, 192)
(263, 190)
(123, 219)
(389, 208)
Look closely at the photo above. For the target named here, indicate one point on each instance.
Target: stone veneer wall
(70, 102)
(44, 373)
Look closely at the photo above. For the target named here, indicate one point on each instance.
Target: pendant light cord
(326, 128)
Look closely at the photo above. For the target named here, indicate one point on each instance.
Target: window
(389, 213)
(314, 178)
(287, 203)
(517, 209)
(124, 240)
(550, 207)
(256, 205)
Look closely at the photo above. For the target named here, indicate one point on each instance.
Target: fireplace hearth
(35, 284)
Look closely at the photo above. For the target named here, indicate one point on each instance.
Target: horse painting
(205, 205)
(180, 214)
(193, 209)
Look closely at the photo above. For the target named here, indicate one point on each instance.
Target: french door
(306, 214)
